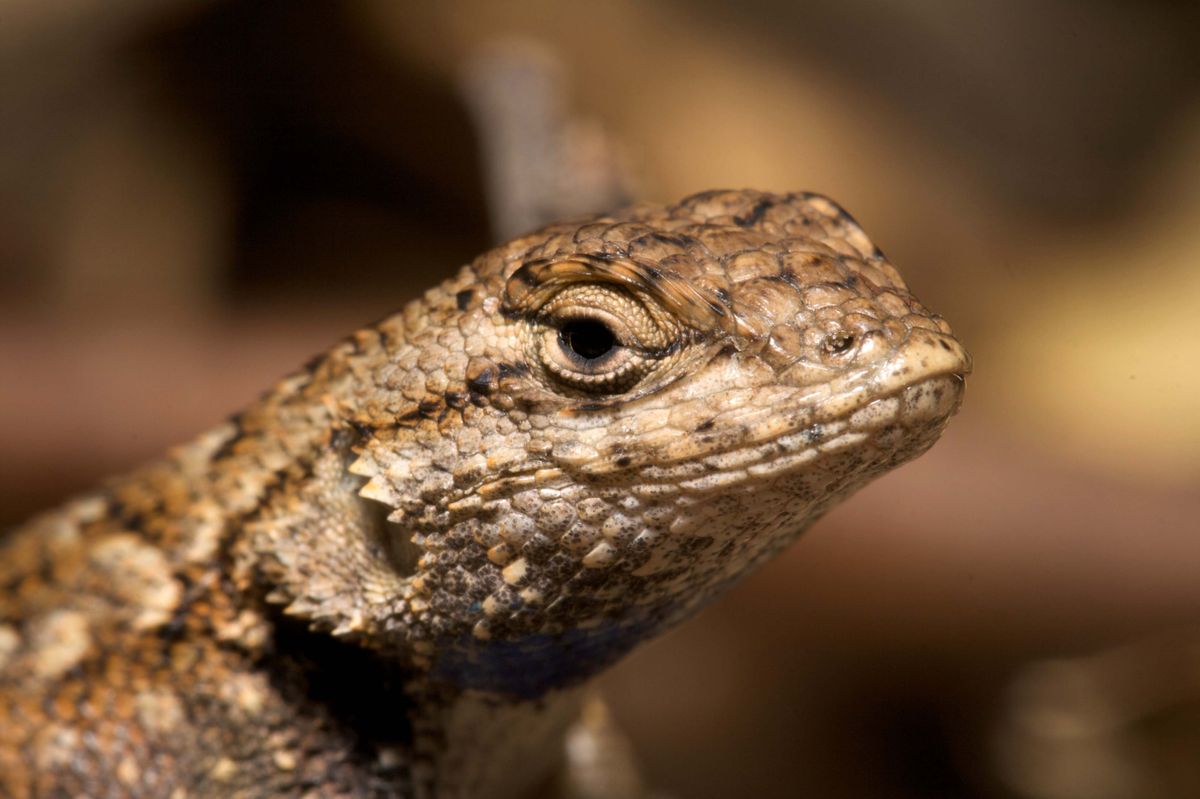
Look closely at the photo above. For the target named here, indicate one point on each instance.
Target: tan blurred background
(197, 195)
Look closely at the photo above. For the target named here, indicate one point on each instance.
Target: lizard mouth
(900, 425)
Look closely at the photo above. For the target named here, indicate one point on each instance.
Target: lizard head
(625, 415)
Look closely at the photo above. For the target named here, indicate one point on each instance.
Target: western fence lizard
(393, 574)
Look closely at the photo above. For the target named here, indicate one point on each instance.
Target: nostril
(838, 343)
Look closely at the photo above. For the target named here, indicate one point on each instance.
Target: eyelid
(568, 366)
(621, 330)
(642, 333)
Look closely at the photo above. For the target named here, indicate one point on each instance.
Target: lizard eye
(599, 339)
(587, 339)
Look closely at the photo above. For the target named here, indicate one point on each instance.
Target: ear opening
(392, 540)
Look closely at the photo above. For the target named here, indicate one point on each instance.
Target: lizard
(396, 573)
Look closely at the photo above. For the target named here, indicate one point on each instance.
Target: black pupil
(587, 338)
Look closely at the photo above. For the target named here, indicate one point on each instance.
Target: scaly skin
(392, 575)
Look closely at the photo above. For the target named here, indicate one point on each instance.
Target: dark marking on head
(706, 425)
(391, 335)
(624, 460)
(177, 626)
(813, 434)
(519, 369)
(723, 296)
(943, 344)
(681, 242)
(428, 408)
(355, 339)
(361, 428)
(515, 314)
(463, 298)
(456, 399)
(481, 376)
(666, 352)
(755, 214)
(842, 215)
(132, 520)
(314, 363)
(526, 274)
(788, 276)
(239, 432)
(848, 282)
(586, 407)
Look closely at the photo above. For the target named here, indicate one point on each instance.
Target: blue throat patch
(529, 667)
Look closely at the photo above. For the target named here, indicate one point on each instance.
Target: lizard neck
(478, 744)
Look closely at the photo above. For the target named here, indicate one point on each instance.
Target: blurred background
(197, 195)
